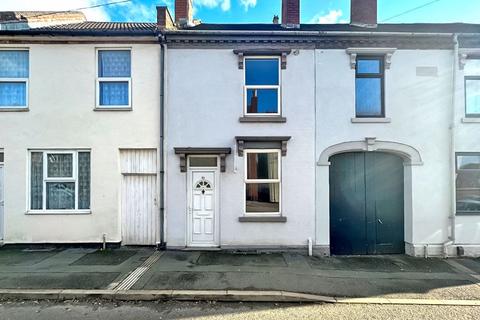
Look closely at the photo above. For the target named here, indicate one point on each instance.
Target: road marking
(133, 277)
(461, 268)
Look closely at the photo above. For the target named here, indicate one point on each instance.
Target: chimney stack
(164, 19)
(291, 13)
(363, 13)
(183, 12)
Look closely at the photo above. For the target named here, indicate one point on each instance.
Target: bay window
(262, 181)
(59, 181)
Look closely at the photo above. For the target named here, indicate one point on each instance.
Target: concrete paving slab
(472, 264)
(241, 259)
(107, 257)
(22, 257)
(183, 258)
(398, 263)
(40, 280)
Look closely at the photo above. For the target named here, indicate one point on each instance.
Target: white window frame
(467, 76)
(246, 87)
(457, 189)
(22, 80)
(73, 178)
(247, 181)
(112, 79)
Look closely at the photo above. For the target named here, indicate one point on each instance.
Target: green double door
(366, 204)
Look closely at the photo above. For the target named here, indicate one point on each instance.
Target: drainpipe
(451, 238)
(162, 245)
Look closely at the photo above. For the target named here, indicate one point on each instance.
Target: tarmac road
(89, 310)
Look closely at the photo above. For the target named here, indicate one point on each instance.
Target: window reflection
(263, 197)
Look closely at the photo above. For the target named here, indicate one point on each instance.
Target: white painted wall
(204, 103)
(467, 135)
(420, 112)
(62, 99)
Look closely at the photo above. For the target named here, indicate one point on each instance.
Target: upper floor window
(114, 78)
(262, 86)
(59, 181)
(14, 70)
(369, 87)
(468, 183)
(472, 88)
(262, 181)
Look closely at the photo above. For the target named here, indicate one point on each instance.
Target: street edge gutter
(213, 295)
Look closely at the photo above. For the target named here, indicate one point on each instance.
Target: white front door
(2, 202)
(202, 209)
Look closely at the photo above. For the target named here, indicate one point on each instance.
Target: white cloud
(333, 16)
(225, 5)
(248, 3)
(94, 14)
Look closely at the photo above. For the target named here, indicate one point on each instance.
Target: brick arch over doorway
(410, 155)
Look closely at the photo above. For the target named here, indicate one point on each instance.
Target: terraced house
(79, 133)
(356, 138)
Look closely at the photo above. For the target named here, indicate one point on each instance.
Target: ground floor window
(59, 180)
(468, 183)
(262, 181)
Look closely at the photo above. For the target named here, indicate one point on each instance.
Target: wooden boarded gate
(139, 209)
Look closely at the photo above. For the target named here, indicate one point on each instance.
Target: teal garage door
(366, 204)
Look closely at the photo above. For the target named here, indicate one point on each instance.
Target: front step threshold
(202, 249)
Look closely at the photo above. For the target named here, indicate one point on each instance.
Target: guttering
(311, 33)
(453, 207)
(163, 47)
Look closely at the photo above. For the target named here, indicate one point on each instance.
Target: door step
(201, 249)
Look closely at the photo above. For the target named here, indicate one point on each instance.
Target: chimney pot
(291, 13)
(363, 13)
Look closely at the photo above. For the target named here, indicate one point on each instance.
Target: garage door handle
(380, 221)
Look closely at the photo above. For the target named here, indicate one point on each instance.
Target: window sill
(273, 119)
(59, 212)
(470, 120)
(467, 213)
(371, 120)
(11, 109)
(113, 109)
(262, 219)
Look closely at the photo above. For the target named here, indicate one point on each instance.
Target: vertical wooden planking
(139, 214)
(139, 192)
(142, 161)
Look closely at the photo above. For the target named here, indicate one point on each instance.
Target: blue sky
(326, 11)
(262, 11)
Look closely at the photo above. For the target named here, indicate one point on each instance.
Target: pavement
(216, 274)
